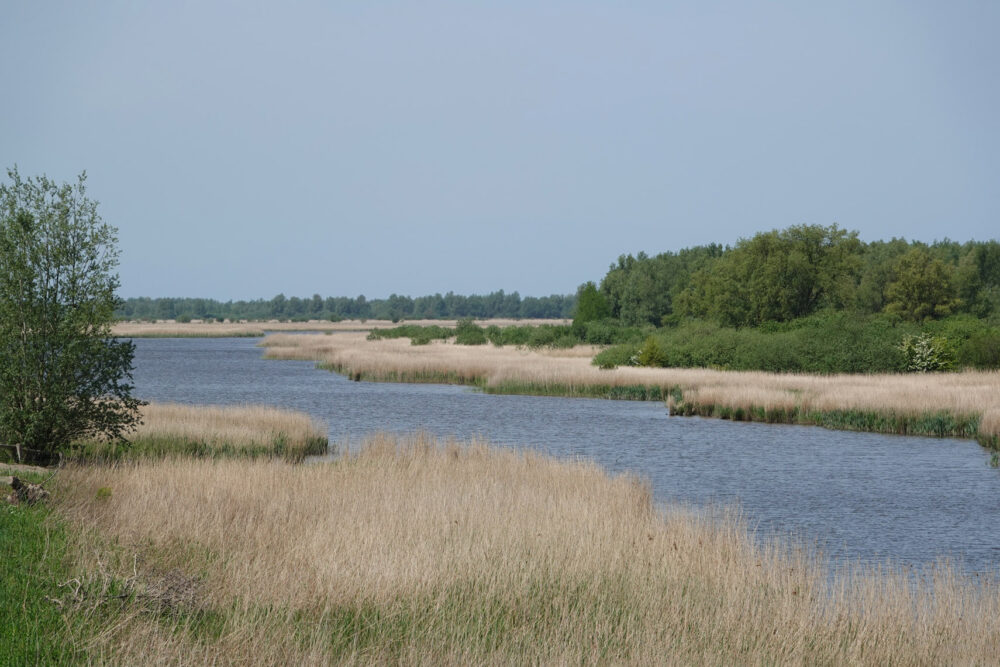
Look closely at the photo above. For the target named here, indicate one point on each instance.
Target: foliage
(467, 332)
(651, 354)
(922, 287)
(642, 289)
(824, 343)
(626, 354)
(396, 307)
(782, 275)
(590, 306)
(63, 376)
(777, 276)
(925, 353)
(981, 350)
(418, 335)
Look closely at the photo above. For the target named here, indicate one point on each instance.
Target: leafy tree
(62, 375)
(922, 287)
(777, 276)
(878, 260)
(590, 306)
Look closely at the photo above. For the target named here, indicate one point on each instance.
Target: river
(858, 496)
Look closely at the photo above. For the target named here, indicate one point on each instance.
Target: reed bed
(250, 329)
(963, 404)
(173, 429)
(424, 552)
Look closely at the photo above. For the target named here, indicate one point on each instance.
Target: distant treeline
(779, 276)
(395, 308)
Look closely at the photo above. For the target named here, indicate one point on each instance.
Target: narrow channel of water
(861, 496)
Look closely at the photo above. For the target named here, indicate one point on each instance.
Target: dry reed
(210, 430)
(423, 552)
(972, 395)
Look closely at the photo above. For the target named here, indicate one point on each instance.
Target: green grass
(936, 424)
(33, 563)
(612, 392)
(636, 392)
(167, 446)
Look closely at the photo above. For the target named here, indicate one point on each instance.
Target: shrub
(981, 350)
(619, 355)
(467, 332)
(652, 354)
(926, 353)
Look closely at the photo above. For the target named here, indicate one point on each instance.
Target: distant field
(210, 329)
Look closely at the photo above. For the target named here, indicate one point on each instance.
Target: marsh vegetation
(172, 429)
(424, 551)
(965, 404)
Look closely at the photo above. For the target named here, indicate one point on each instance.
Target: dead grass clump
(412, 550)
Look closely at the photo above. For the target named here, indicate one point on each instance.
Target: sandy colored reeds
(227, 329)
(424, 552)
(215, 430)
(971, 397)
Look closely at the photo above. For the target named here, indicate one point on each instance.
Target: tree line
(395, 307)
(783, 275)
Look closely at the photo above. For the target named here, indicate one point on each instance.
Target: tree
(590, 306)
(923, 287)
(777, 276)
(62, 375)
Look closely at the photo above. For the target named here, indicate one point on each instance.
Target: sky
(245, 149)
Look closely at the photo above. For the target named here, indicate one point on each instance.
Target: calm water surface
(860, 496)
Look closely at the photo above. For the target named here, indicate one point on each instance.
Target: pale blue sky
(343, 148)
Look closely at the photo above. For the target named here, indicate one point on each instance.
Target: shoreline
(960, 405)
(932, 424)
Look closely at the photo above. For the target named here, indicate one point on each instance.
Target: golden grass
(243, 328)
(424, 552)
(969, 394)
(208, 430)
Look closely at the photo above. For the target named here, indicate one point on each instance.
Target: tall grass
(423, 552)
(953, 404)
(173, 429)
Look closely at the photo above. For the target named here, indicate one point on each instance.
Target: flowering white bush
(925, 353)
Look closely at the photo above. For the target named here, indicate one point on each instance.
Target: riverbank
(257, 329)
(419, 551)
(965, 405)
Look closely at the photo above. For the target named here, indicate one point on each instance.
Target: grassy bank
(34, 562)
(438, 553)
(965, 405)
(171, 429)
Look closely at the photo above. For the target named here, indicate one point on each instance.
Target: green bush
(651, 354)
(981, 350)
(619, 355)
(825, 343)
(469, 333)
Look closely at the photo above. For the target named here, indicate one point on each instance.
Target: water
(859, 496)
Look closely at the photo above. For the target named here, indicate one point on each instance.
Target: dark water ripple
(860, 496)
